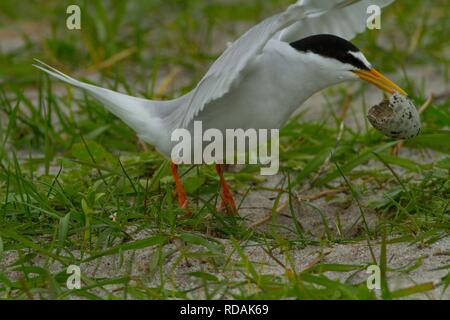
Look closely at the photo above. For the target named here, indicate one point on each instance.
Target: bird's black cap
(330, 46)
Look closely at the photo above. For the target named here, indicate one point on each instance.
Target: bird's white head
(339, 60)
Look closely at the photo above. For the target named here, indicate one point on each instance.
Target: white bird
(259, 81)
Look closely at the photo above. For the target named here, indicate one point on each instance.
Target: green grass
(76, 185)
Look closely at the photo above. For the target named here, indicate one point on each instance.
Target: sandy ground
(422, 261)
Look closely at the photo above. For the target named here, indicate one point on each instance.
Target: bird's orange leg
(181, 194)
(227, 198)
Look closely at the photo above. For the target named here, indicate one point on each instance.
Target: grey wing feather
(228, 67)
(300, 20)
(345, 21)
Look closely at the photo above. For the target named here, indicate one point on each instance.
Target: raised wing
(343, 21)
(226, 70)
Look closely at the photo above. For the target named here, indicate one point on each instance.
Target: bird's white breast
(270, 90)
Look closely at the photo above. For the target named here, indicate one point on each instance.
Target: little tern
(260, 79)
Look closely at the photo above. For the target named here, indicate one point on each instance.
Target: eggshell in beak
(396, 117)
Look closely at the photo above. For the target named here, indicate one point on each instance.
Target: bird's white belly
(268, 94)
(272, 87)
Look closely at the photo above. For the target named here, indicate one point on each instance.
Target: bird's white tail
(142, 115)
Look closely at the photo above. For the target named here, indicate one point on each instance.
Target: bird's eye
(358, 60)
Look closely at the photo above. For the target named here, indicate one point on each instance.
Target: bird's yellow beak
(374, 77)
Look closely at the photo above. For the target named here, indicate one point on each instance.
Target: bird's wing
(227, 69)
(343, 21)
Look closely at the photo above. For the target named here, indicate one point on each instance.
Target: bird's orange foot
(179, 189)
(227, 204)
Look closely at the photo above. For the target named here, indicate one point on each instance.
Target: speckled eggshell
(396, 118)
